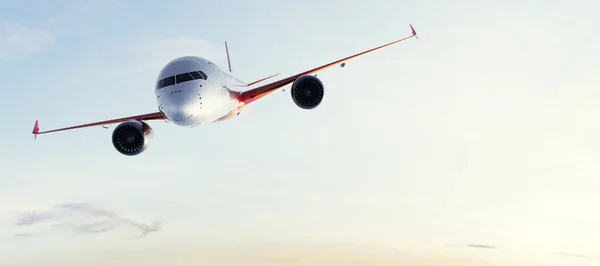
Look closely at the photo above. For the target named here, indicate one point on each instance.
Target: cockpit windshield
(172, 80)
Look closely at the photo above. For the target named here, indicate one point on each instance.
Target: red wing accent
(36, 130)
(249, 96)
(151, 116)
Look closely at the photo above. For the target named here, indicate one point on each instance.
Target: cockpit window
(183, 77)
(203, 75)
(196, 75)
(168, 81)
(180, 78)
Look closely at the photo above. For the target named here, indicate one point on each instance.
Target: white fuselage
(192, 90)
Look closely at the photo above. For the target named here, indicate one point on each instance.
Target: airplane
(191, 91)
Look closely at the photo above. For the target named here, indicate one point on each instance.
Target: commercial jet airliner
(191, 91)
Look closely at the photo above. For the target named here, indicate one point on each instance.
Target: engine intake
(307, 92)
(132, 137)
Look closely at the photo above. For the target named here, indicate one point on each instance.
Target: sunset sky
(476, 144)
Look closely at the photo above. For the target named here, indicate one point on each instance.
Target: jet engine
(132, 137)
(307, 92)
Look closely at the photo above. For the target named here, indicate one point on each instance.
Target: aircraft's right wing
(252, 95)
(150, 116)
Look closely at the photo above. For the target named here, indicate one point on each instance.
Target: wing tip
(36, 129)
(414, 32)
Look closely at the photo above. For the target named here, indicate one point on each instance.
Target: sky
(475, 145)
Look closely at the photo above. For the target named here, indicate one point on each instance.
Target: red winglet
(36, 129)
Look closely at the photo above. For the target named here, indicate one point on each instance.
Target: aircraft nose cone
(180, 116)
(181, 107)
(182, 112)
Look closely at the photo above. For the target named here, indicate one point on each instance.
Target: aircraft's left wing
(150, 116)
(249, 96)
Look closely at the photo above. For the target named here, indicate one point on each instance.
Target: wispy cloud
(481, 246)
(154, 54)
(84, 218)
(17, 39)
(553, 253)
(82, 16)
(474, 246)
(26, 235)
(34, 217)
(575, 256)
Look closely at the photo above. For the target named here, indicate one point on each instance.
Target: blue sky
(481, 132)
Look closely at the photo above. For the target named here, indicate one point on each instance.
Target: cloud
(156, 53)
(84, 218)
(74, 16)
(82, 16)
(475, 246)
(553, 253)
(17, 39)
(296, 254)
(481, 246)
(26, 235)
(146, 56)
(575, 256)
(34, 217)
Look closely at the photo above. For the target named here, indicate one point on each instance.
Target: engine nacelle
(132, 137)
(307, 92)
